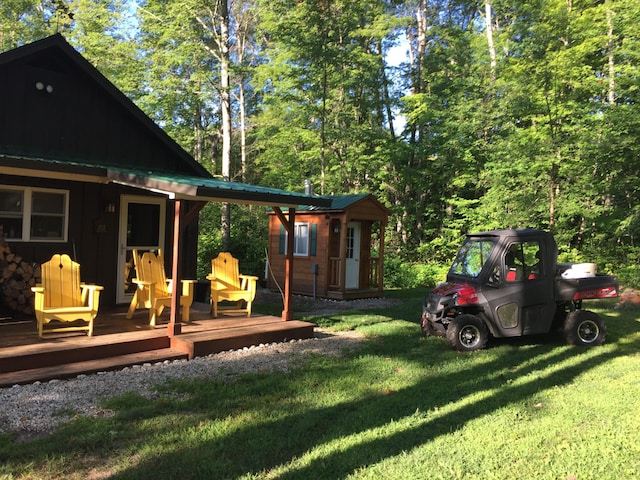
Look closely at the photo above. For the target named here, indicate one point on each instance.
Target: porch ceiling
(173, 185)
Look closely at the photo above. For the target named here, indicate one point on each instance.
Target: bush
(400, 274)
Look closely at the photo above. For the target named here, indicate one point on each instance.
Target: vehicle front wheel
(467, 333)
(584, 328)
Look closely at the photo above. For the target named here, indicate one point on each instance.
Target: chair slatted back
(150, 268)
(226, 270)
(61, 282)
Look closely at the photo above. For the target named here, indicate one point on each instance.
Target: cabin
(338, 249)
(83, 171)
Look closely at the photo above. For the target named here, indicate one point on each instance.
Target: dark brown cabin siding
(93, 233)
(84, 118)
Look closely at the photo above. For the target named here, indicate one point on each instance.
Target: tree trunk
(225, 101)
(490, 44)
(385, 92)
(610, 45)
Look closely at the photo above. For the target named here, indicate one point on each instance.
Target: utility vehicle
(507, 283)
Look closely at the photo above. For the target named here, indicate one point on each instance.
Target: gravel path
(29, 411)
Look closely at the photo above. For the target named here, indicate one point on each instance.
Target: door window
(522, 262)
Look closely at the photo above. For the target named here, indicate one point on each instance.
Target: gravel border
(33, 410)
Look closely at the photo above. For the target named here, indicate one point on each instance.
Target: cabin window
(33, 214)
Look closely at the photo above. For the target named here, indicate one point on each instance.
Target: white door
(142, 224)
(352, 274)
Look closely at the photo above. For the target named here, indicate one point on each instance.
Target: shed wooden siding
(365, 210)
(302, 276)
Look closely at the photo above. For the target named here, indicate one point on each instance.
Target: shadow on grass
(261, 448)
(292, 431)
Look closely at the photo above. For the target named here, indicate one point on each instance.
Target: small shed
(338, 249)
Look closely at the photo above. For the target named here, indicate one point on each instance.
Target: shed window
(33, 214)
(301, 239)
(304, 239)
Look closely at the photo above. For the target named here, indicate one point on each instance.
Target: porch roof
(173, 185)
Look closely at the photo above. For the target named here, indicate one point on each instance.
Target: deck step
(39, 356)
(74, 369)
(215, 341)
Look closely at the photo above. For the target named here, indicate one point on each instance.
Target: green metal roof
(338, 202)
(176, 186)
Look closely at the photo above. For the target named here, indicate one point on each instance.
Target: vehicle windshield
(472, 257)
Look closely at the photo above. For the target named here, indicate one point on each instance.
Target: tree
(23, 21)
(322, 117)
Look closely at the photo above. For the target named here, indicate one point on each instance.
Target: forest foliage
(502, 114)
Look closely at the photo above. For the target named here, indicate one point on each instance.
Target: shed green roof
(337, 202)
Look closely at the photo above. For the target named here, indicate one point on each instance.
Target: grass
(400, 407)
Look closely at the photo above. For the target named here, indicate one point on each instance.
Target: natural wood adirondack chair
(154, 289)
(227, 284)
(62, 297)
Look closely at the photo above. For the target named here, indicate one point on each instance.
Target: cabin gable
(62, 108)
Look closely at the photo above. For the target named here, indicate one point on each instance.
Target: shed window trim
(30, 214)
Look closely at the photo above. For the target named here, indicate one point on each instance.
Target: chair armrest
(91, 295)
(248, 282)
(37, 289)
(187, 286)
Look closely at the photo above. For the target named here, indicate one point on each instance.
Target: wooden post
(288, 223)
(287, 313)
(343, 253)
(180, 223)
(381, 259)
(175, 326)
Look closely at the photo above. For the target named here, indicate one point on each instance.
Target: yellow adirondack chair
(62, 297)
(154, 289)
(227, 284)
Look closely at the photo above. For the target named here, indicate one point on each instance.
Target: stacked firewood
(16, 279)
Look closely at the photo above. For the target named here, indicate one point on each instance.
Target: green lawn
(401, 407)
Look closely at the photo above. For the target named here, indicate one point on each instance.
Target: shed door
(142, 224)
(352, 274)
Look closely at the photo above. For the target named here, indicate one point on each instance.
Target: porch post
(343, 254)
(174, 327)
(288, 224)
(381, 258)
(287, 313)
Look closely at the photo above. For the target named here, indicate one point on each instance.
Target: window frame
(27, 214)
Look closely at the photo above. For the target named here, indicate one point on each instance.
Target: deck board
(118, 342)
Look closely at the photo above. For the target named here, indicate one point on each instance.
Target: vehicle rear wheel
(584, 328)
(467, 333)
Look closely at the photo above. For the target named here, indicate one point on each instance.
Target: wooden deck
(118, 342)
